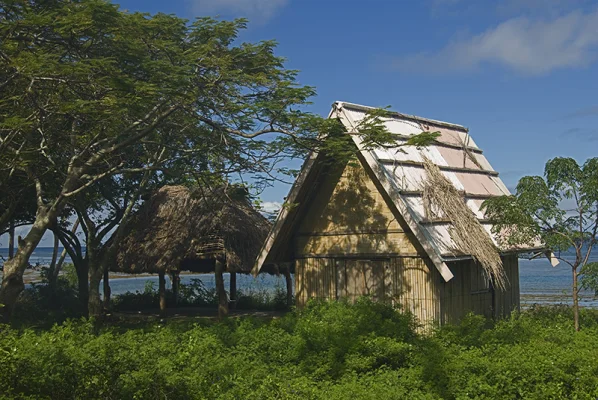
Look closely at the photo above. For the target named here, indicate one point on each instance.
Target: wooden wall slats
(469, 291)
(364, 243)
(350, 243)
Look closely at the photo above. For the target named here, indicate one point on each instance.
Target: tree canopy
(100, 103)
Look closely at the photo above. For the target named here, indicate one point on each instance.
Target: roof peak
(359, 107)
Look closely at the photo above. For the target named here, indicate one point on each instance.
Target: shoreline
(33, 276)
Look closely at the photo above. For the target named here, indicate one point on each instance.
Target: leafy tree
(86, 85)
(89, 92)
(560, 210)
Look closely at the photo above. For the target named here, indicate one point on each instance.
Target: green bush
(325, 351)
(44, 304)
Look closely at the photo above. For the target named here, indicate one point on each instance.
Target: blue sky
(521, 74)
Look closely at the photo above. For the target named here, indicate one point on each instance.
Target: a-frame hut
(401, 224)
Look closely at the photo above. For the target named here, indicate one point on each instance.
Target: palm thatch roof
(183, 229)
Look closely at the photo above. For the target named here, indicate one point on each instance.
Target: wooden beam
(468, 195)
(233, 290)
(442, 167)
(162, 291)
(344, 233)
(440, 221)
(222, 299)
(415, 118)
(372, 256)
(439, 143)
(289, 282)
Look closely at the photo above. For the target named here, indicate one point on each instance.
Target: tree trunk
(107, 291)
(82, 270)
(233, 290)
(52, 275)
(95, 276)
(12, 281)
(64, 253)
(222, 300)
(289, 281)
(575, 300)
(162, 291)
(11, 240)
(176, 280)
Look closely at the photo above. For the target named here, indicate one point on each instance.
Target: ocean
(539, 282)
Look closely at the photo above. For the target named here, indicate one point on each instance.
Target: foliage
(42, 303)
(326, 351)
(99, 98)
(558, 212)
(589, 277)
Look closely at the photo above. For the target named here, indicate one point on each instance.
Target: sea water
(539, 281)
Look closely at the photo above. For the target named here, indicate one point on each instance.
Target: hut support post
(289, 281)
(222, 300)
(233, 290)
(107, 291)
(162, 291)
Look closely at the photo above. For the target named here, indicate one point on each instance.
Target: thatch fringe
(466, 231)
(183, 229)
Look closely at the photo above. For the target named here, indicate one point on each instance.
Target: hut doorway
(362, 277)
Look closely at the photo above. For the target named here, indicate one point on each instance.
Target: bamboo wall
(509, 300)
(349, 243)
(469, 291)
(409, 282)
(348, 216)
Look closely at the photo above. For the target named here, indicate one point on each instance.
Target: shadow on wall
(349, 241)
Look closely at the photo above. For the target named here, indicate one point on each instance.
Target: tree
(89, 91)
(86, 84)
(560, 211)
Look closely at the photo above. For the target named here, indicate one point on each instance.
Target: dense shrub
(326, 351)
(41, 303)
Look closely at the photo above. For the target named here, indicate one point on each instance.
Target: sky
(520, 74)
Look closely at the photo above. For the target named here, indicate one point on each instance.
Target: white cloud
(521, 44)
(546, 7)
(271, 206)
(258, 10)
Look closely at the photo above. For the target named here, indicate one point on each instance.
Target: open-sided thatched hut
(179, 229)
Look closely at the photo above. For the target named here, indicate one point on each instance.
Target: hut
(400, 224)
(201, 231)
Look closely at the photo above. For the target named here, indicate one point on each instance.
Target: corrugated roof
(401, 172)
(455, 153)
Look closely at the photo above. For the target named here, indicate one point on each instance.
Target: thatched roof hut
(183, 229)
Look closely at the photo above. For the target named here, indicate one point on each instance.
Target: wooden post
(176, 280)
(107, 291)
(222, 300)
(11, 240)
(233, 290)
(162, 291)
(287, 276)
